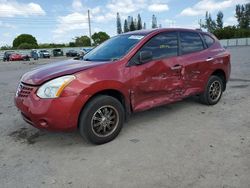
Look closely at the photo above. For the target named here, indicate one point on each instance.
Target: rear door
(158, 81)
(193, 58)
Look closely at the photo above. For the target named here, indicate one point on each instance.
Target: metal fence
(235, 42)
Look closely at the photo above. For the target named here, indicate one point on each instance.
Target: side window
(208, 40)
(190, 42)
(162, 46)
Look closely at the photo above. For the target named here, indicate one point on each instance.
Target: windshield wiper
(86, 59)
(114, 59)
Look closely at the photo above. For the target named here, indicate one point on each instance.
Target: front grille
(23, 90)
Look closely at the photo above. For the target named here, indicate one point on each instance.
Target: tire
(213, 91)
(92, 124)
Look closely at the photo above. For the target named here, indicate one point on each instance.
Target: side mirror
(145, 56)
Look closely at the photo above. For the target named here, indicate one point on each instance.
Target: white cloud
(192, 25)
(125, 6)
(6, 25)
(77, 20)
(209, 5)
(71, 22)
(77, 5)
(170, 23)
(158, 7)
(13, 8)
(6, 34)
(230, 21)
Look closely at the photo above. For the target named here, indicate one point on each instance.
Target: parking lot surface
(185, 144)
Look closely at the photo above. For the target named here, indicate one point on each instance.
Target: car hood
(47, 72)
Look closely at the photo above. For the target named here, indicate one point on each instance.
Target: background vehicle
(16, 57)
(72, 53)
(82, 53)
(57, 52)
(44, 54)
(128, 73)
(25, 56)
(6, 55)
(34, 54)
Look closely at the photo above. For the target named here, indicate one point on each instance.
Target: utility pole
(89, 28)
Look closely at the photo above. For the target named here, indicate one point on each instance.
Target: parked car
(34, 54)
(57, 52)
(16, 57)
(72, 53)
(6, 55)
(128, 73)
(83, 52)
(44, 54)
(25, 56)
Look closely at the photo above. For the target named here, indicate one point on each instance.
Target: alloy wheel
(105, 121)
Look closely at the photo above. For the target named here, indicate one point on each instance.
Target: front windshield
(114, 48)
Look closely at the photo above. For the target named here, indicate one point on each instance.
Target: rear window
(208, 40)
(190, 42)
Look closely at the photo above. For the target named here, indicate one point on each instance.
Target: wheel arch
(113, 93)
(221, 73)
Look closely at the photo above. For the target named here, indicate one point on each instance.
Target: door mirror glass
(145, 56)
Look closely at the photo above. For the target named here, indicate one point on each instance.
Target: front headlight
(54, 88)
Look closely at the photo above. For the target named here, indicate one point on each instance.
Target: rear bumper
(60, 114)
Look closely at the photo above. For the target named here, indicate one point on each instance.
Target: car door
(192, 58)
(157, 81)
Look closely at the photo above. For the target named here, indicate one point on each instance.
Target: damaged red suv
(128, 73)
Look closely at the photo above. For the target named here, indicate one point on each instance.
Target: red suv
(128, 73)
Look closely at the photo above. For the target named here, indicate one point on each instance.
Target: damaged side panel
(155, 83)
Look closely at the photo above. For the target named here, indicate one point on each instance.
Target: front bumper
(46, 55)
(60, 114)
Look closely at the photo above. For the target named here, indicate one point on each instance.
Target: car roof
(148, 31)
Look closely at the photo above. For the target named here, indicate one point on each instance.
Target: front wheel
(213, 91)
(102, 119)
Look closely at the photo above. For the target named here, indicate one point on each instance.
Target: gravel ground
(185, 144)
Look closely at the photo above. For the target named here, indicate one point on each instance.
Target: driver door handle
(176, 67)
(209, 59)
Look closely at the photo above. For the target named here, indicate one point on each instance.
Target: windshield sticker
(136, 37)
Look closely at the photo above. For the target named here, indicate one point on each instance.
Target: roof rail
(198, 29)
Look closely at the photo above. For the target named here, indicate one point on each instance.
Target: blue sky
(59, 21)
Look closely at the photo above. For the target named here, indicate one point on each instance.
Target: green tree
(51, 45)
(72, 44)
(219, 20)
(139, 23)
(242, 13)
(25, 38)
(6, 47)
(154, 21)
(100, 37)
(210, 24)
(125, 27)
(239, 14)
(26, 46)
(118, 24)
(132, 26)
(82, 41)
(231, 32)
